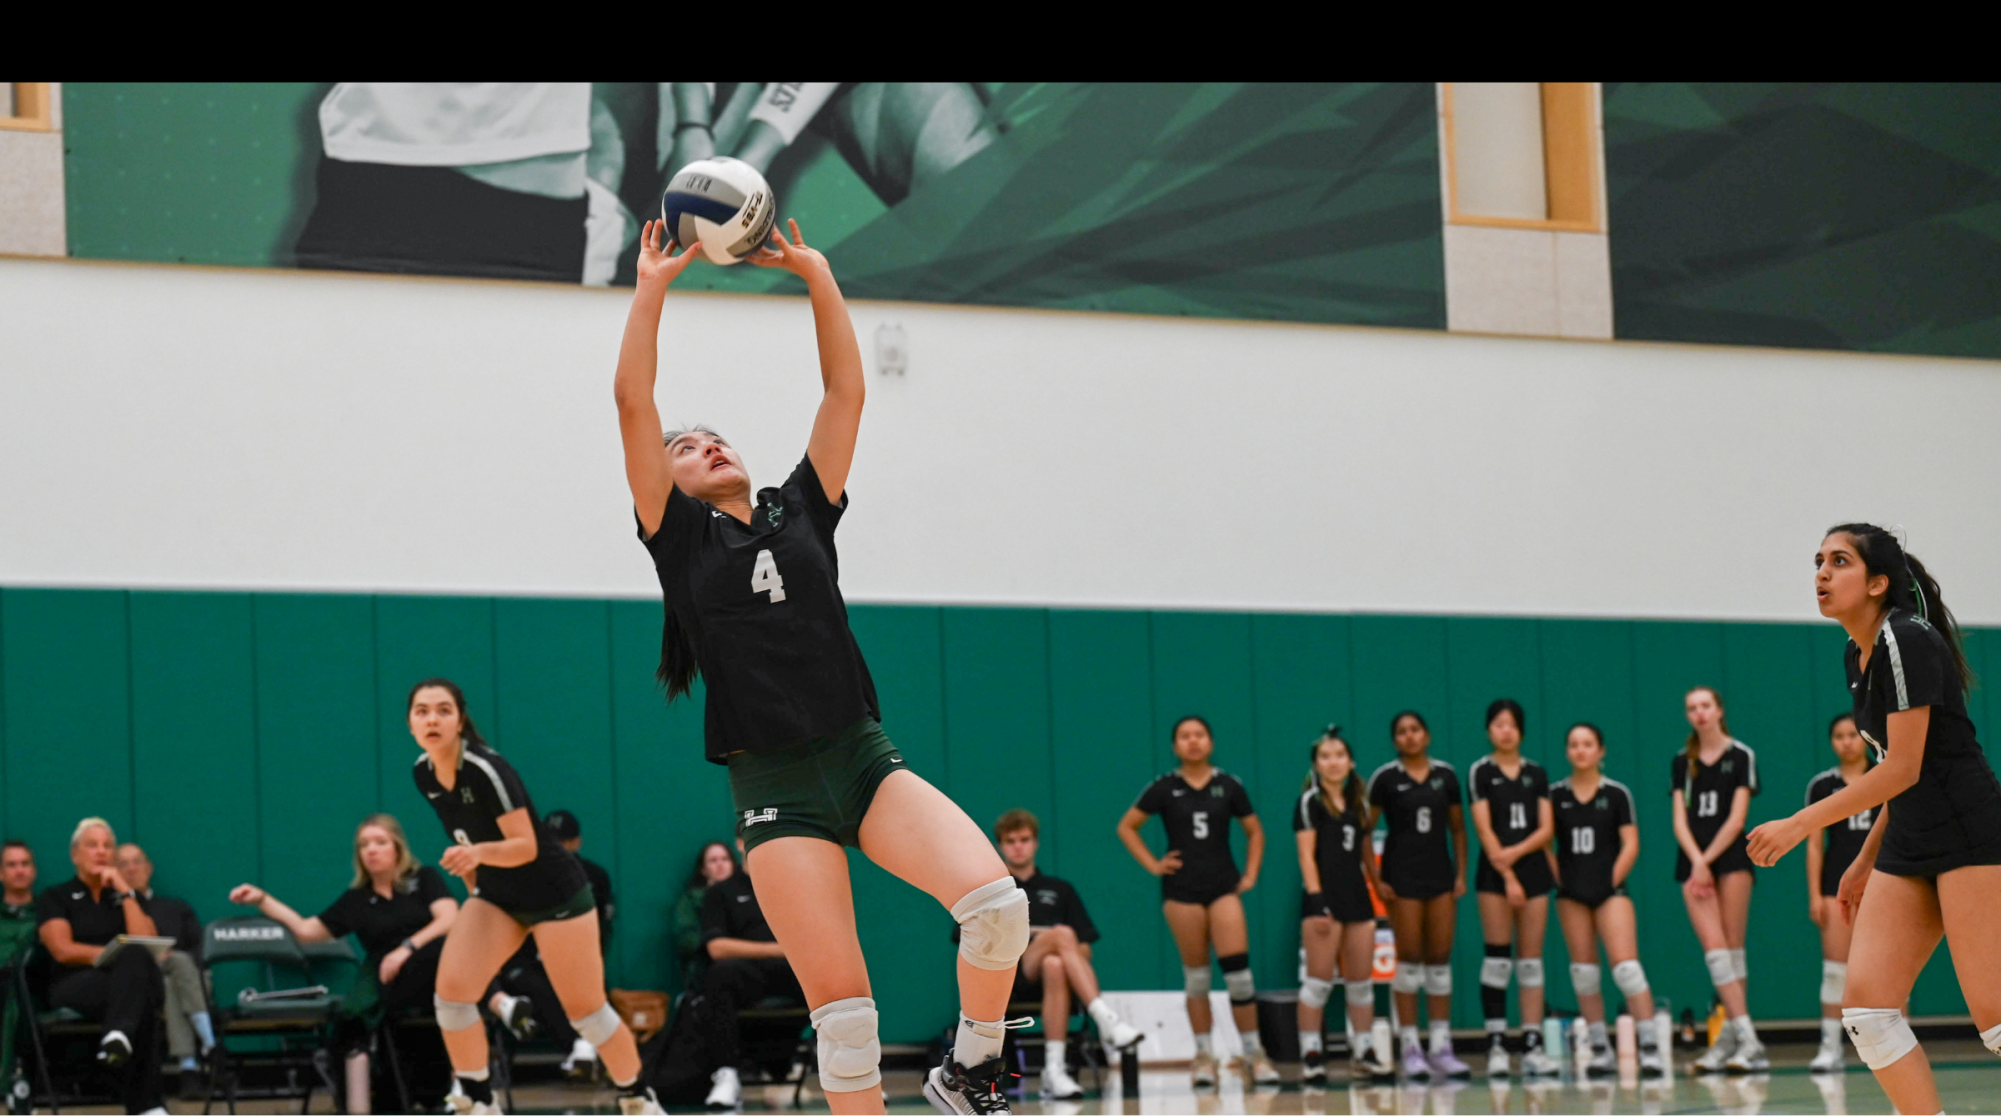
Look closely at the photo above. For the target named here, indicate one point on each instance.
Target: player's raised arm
(832, 445)
(638, 362)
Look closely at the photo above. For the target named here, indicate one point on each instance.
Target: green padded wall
(241, 736)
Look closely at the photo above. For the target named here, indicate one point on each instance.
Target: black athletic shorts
(582, 903)
(1532, 870)
(822, 788)
(1736, 858)
(1201, 884)
(1346, 904)
(1594, 899)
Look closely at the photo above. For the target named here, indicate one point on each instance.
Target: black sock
(479, 1092)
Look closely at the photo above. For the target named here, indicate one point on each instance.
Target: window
(1523, 154)
(24, 106)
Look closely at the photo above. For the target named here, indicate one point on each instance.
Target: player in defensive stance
(1511, 816)
(1597, 843)
(753, 603)
(1932, 863)
(1829, 852)
(1337, 915)
(1200, 887)
(521, 882)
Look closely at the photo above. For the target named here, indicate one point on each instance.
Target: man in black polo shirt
(569, 833)
(746, 965)
(1057, 962)
(77, 919)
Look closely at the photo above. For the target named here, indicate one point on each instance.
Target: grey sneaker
(1749, 1057)
(1719, 1052)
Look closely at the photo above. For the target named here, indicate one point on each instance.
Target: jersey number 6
(764, 577)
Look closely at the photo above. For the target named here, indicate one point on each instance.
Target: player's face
(1583, 749)
(1332, 762)
(1847, 743)
(134, 866)
(706, 467)
(1018, 848)
(1503, 733)
(376, 848)
(1192, 743)
(1841, 582)
(717, 864)
(434, 717)
(17, 870)
(1703, 712)
(1410, 736)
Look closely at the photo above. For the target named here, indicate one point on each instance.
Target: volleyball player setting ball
(1931, 864)
(753, 603)
(521, 882)
(1829, 852)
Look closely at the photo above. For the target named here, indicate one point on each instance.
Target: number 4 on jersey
(764, 577)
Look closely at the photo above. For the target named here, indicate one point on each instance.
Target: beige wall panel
(1500, 281)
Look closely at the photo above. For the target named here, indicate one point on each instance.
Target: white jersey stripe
(1896, 664)
(499, 788)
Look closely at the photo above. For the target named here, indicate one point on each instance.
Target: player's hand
(459, 860)
(1504, 859)
(1775, 839)
(1385, 892)
(1700, 883)
(656, 265)
(1849, 894)
(792, 256)
(1459, 886)
(1816, 908)
(1245, 883)
(1518, 895)
(1169, 864)
(248, 895)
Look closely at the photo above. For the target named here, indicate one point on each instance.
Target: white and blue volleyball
(723, 203)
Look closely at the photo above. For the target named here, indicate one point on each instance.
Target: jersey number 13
(764, 577)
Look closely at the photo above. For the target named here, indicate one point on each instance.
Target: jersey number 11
(764, 577)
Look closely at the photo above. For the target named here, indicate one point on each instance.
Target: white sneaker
(1202, 1071)
(1749, 1057)
(1375, 1060)
(642, 1103)
(583, 1058)
(1057, 1084)
(1602, 1063)
(1262, 1071)
(727, 1090)
(1538, 1063)
(461, 1105)
(1719, 1052)
(1123, 1036)
(1652, 1062)
(1829, 1060)
(1498, 1062)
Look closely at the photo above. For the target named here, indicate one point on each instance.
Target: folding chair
(782, 1015)
(46, 1028)
(1088, 1053)
(267, 1009)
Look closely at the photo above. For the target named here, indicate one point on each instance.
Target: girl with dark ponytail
(1931, 865)
(1338, 913)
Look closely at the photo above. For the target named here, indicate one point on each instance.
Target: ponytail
(678, 668)
(1912, 588)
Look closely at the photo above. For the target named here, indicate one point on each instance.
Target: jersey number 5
(1201, 820)
(764, 577)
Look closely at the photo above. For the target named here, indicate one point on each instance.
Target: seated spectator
(570, 834)
(524, 975)
(17, 938)
(714, 864)
(78, 918)
(1057, 963)
(746, 965)
(187, 1005)
(399, 910)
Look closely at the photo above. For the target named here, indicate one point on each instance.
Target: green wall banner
(1297, 201)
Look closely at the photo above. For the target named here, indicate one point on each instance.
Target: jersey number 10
(764, 577)
(1583, 840)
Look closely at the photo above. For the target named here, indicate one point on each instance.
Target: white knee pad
(1721, 970)
(1630, 976)
(1833, 979)
(599, 1026)
(1495, 972)
(1243, 987)
(1881, 1035)
(993, 924)
(1585, 980)
(1361, 992)
(850, 1052)
(1438, 980)
(1194, 981)
(1409, 977)
(1738, 964)
(1313, 992)
(1992, 1038)
(453, 1015)
(1528, 972)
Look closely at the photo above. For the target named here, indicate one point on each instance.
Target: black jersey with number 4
(1706, 798)
(761, 604)
(1197, 820)
(484, 789)
(1417, 856)
(1845, 837)
(1587, 837)
(1952, 816)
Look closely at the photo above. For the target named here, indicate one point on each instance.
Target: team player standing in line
(1829, 852)
(1597, 844)
(1200, 887)
(521, 882)
(753, 603)
(1931, 866)
(1337, 914)
(1713, 780)
(1511, 815)
(1422, 878)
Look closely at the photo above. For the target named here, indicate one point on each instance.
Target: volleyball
(723, 203)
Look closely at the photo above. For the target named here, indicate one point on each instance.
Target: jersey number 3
(764, 577)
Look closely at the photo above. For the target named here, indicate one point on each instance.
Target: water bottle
(1629, 1038)
(1580, 1044)
(1552, 1038)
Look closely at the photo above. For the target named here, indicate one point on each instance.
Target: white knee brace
(1881, 1035)
(1363, 992)
(1194, 981)
(1721, 970)
(1243, 987)
(993, 924)
(453, 1015)
(1409, 977)
(1585, 979)
(1528, 972)
(1991, 1037)
(1833, 979)
(850, 1052)
(1495, 972)
(1438, 980)
(1313, 992)
(1630, 977)
(1738, 965)
(599, 1026)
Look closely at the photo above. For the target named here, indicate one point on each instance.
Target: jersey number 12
(764, 577)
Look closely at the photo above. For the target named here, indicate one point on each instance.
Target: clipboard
(157, 946)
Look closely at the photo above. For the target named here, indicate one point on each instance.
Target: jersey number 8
(764, 577)
(1424, 819)
(1200, 818)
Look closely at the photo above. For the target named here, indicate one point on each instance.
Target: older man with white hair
(78, 919)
